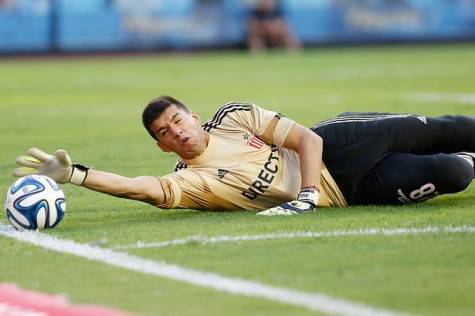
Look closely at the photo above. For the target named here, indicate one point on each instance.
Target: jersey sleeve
(172, 193)
(270, 126)
(187, 189)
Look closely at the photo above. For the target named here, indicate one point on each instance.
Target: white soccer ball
(35, 202)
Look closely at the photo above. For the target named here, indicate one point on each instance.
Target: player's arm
(309, 147)
(144, 188)
(60, 168)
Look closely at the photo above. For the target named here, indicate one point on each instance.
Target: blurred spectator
(6, 5)
(22, 7)
(267, 28)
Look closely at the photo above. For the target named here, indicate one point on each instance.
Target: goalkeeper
(246, 157)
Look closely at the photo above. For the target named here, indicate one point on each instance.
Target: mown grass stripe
(313, 301)
(434, 97)
(302, 234)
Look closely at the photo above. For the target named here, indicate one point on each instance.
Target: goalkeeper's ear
(196, 118)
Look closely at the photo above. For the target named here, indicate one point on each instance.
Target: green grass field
(92, 106)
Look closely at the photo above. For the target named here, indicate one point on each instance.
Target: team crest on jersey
(222, 173)
(253, 141)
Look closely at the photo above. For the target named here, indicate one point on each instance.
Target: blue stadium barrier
(318, 25)
(94, 25)
(101, 30)
(81, 6)
(26, 33)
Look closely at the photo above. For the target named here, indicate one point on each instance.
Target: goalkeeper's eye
(163, 132)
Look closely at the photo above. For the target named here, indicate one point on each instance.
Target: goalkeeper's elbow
(146, 189)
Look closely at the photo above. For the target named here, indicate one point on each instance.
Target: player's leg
(256, 35)
(354, 143)
(431, 135)
(469, 157)
(416, 133)
(407, 178)
(281, 35)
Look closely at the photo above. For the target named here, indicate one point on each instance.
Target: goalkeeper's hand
(57, 166)
(307, 201)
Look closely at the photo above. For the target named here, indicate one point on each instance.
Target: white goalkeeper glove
(58, 166)
(307, 201)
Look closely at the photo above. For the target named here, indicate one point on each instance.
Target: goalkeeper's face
(179, 131)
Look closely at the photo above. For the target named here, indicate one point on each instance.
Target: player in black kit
(384, 158)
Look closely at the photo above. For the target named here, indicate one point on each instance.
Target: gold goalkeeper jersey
(244, 165)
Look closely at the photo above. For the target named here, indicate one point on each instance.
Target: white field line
(434, 97)
(313, 301)
(302, 234)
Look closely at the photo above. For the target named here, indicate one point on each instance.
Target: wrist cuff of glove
(309, 195)
(79, 174)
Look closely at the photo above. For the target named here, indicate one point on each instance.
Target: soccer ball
(35, 202)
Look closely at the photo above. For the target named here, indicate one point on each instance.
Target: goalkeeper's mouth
(184, 140)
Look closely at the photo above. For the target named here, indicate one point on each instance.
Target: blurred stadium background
(42, 26)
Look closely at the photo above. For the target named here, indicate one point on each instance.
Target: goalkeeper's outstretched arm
(60, 168)
(144, 188)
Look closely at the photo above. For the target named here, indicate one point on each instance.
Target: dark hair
(156, 107)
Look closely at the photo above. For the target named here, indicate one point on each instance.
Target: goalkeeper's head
(174, 127)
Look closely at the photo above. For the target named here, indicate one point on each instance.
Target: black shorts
(383, 158)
